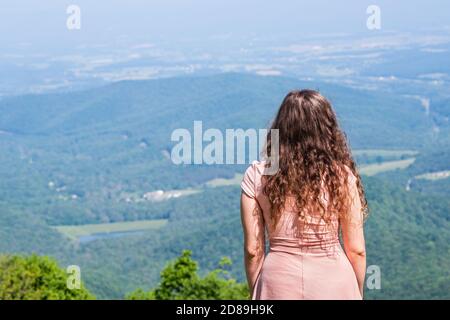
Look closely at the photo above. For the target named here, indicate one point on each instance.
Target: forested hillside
(91, 158)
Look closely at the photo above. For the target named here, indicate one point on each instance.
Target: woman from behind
(301, 209)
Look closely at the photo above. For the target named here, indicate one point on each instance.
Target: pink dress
(306, 264)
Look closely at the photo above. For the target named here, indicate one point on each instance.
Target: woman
(315, 193)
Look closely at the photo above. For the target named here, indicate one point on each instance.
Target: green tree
(179, 280)
(36, 278)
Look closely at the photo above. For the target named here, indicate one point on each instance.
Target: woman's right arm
(353, 235)
(254, 238)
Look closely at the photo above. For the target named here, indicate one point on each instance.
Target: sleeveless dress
(302, 263)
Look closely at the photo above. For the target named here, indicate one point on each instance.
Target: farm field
(75, 232)
(373, 169)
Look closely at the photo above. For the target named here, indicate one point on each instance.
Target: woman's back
(315, 193)
(304, 258)
(289, 225)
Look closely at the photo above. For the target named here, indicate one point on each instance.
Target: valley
(87, 178)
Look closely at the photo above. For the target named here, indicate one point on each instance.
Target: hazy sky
(44, 21)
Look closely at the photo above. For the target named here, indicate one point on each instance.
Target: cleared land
(74, 232)
(373, 169)
(222, 182)
(434, 175)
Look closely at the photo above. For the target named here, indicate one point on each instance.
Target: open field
(74, 232)
(222, 182)
(434, 175)
(373, 169)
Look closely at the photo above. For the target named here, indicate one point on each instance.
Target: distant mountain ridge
(226, 100)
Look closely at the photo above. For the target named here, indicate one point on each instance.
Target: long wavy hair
(314, 161)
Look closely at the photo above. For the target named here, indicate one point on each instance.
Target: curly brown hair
(314, 160)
